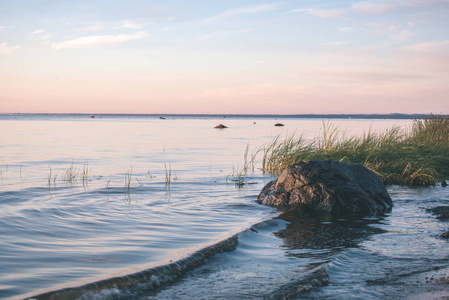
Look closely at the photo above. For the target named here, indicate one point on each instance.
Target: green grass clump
(415, 156)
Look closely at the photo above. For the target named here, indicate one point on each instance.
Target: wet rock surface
(445, 235)
(441, 212)
(328, 186)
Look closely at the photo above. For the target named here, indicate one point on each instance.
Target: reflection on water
(307, 230)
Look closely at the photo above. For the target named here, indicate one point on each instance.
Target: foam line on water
(147, 279)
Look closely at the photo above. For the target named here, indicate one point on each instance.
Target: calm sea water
(120, 207)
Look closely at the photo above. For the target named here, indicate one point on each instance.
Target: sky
(224, 56)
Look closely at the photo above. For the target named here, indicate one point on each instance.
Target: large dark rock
(328, 186)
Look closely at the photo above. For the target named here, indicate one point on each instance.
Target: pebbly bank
(328, 187)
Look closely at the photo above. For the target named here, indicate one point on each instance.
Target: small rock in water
(441, 212)
(162, 118)
(445, 235)
(440, 281)
(278, 124)
(444, 183)
(221, 126)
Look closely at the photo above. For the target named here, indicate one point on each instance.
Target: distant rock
(278, 124)
(221, 126)
(328, 186)
(162, 118)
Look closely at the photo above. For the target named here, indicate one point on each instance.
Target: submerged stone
(328, 186)
(441, 212)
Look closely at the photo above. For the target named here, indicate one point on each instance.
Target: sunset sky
(240, 57)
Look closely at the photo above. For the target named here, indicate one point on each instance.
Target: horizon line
(310, 115)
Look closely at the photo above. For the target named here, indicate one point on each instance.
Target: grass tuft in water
(415, 156)
(168, 175)
(85, 175)
(70, 174)
(239, 176)
(128, 182)
(49, 176)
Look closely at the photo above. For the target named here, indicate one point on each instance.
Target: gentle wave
(144, 280)
(148, 282)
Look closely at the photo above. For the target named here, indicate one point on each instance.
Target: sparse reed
(168, 175)
(249, 164)
(70, 174)
(128, 182)
(140, 182)
(85, 175)
(416, 156)
(49, 176)
(238, 176)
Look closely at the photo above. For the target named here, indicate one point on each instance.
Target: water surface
(87, 199)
